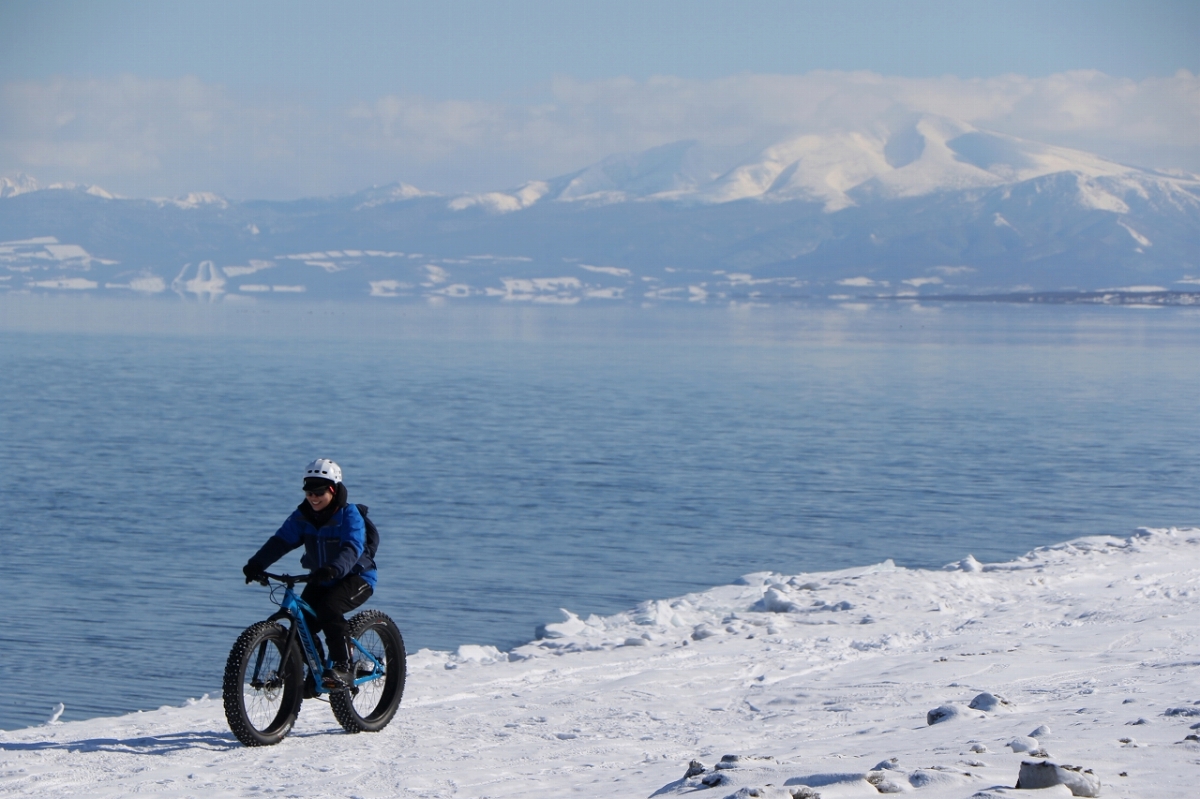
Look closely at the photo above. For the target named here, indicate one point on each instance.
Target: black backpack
(366, 561)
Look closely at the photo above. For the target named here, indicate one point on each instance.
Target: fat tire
(369, 708)
(258, 723)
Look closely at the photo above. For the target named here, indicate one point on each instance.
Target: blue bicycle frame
(294, 608)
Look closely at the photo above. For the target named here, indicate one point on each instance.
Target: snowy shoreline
(851, 683)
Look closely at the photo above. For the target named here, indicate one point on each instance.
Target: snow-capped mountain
(921, 156)
(194, 199)
(930, 155)
(926, 206)
(23, 184)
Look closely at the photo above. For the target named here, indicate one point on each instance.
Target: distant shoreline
(1160, 297)
(812, 318)
(1136, 298)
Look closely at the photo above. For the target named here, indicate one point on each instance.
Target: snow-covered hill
(916, 157)
(24, 184)
(928, 206)
(1072, 669)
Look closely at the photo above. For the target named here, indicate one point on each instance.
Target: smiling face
(319, 498)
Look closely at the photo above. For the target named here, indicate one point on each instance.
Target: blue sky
(491, 50)
(274, 99)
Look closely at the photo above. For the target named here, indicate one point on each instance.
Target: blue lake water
(518, 462)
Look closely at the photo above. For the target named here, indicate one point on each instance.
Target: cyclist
(341, 575)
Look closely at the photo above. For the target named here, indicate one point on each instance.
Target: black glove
(322, 575)
(252, 573)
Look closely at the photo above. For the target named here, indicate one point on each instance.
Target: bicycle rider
(341, 576)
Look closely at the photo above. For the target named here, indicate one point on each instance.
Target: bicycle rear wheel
(263, 682)
(370, 706)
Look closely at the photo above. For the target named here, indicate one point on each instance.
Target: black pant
(330, 605)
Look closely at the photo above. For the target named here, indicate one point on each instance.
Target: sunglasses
(316, 492)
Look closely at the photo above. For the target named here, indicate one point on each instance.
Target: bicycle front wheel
(263, 683)
(369, 706)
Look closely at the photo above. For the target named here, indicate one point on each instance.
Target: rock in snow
(1044, 774)
(989, 702)
(795, 704)
(941, 713)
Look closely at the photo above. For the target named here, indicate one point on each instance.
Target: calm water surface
(520, 464)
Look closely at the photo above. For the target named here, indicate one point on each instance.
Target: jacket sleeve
(284, 541)
(354, 540)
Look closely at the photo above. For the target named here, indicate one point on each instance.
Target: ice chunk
(473, 653)
(775, 600)
(572, 625)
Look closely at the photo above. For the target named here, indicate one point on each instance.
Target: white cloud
(169, 137)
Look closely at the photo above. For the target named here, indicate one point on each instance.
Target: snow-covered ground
(837, 684)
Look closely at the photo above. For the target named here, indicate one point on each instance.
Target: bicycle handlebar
(287, 579)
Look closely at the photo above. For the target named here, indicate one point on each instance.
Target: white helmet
(324, 469)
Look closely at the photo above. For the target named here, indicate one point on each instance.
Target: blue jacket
(338, 543)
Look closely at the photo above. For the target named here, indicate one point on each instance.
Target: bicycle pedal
(337, 679)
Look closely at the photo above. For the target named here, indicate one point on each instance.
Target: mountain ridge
(928, 206)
